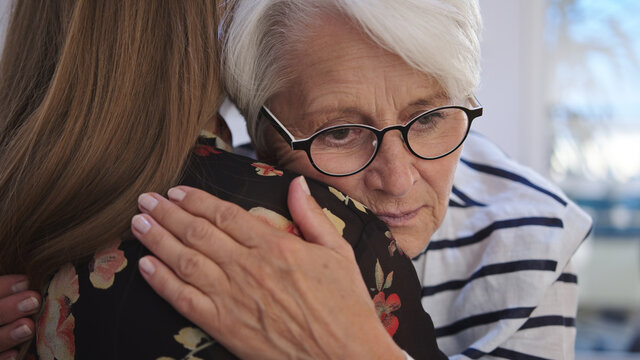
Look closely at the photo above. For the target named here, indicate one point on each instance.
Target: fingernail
(303, 184)
(21, 332)
(28, 304)
(147, 202)
(140, 224)
(176, 194)
(21, 286)
(146, 266)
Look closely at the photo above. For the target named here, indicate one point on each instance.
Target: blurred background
(561, 92)
(564, 77)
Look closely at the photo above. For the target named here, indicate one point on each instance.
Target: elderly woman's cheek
(448, 170)
(439, 177)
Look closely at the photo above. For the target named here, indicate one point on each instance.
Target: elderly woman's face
(341, 77)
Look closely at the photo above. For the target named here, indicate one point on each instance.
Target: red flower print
(384, 308)
(104, 266)
(55, 325)
(266, 169)
(205, 150)
(274, 219)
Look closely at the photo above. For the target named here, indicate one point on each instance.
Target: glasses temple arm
(277, 125)
(476, 105)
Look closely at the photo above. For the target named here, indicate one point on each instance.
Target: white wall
(513, 77)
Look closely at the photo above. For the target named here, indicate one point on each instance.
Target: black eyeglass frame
(305, 144)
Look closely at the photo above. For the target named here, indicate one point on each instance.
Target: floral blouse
(103, 308)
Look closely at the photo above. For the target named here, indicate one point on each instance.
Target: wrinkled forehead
(330, 52)
(339, 66)
(426, 52)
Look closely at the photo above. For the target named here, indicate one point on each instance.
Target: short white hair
(437, 37)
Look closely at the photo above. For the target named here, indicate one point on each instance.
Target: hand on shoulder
(256, 292)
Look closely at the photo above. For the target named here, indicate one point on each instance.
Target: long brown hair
(100, 101)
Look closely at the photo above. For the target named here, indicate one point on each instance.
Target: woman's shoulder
(262, 189)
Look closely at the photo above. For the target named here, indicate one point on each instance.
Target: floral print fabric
(55, 337)
(104, 266)
(103, 309)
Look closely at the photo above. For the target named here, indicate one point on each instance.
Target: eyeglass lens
(347, 149)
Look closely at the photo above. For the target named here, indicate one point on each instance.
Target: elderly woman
(376, 99)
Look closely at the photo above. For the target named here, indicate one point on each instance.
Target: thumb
(311, 219)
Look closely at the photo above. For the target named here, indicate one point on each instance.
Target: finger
(12, 284)
(194, 231)
(228, 217)
(18, 305)
(187, 263)
(312, 220)
(16, 333)
(186, 299)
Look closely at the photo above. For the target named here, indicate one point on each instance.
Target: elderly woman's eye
(343, 137)
(339, 134)
(430, 119)
(343, 134)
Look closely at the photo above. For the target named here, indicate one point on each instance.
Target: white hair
(437, 37)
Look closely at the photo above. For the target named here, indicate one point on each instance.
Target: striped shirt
(497, 276)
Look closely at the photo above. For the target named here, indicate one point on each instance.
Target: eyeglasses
(344, 150)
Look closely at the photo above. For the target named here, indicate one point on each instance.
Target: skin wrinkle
(348, 79)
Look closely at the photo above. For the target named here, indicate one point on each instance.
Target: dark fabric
(104, 309)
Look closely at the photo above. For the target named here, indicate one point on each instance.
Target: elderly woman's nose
(393, 170)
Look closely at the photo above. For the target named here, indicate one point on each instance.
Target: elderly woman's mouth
(400, 218)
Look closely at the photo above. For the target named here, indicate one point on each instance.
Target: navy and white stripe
(496, 276)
